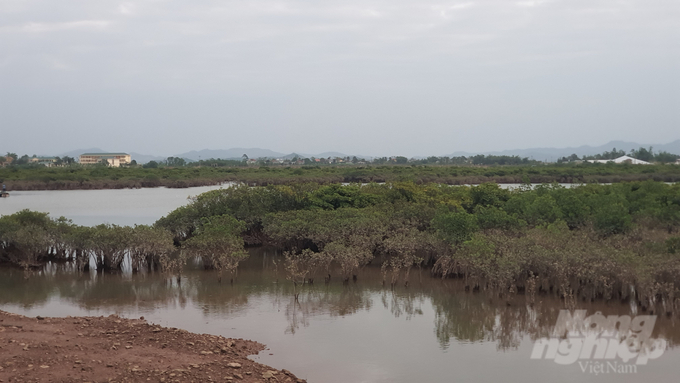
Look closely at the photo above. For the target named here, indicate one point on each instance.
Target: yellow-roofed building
(114, 159)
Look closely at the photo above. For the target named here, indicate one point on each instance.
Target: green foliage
(175, 162)
(673, 245)
(26, 237)
(574, 211)
(455, 227)
(30, 238)
(109, 244)
(481, 159)
(149, 246)
(488, 194)
(493, 217)
(593, 240)
(336, 196)
(643, 154)
(219, 244)
(610, 214)
(666, 158)
(607, 155)
(542, 210)
(22, 175)
(299, 265)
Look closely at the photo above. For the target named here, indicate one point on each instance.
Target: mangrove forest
(609, 242)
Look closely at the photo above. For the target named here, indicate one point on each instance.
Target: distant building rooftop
(621, 160)
(113, 159)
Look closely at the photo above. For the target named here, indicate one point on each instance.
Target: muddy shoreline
(115, 349)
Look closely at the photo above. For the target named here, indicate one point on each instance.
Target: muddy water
(432, 331)
(93, 207)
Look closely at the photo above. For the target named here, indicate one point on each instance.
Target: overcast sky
(372, 77)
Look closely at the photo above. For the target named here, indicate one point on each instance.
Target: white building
(622, 160)
(45, 161)
(114, 159)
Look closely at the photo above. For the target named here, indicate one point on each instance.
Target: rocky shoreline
(115, 349)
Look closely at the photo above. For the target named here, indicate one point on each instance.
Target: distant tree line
(643, 154)
(12, 159)
(479, 159)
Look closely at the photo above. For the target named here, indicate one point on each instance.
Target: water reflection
(329, 300)
(457, 316)
(406, 304)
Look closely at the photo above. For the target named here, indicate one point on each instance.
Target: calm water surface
(432, 331)
(92, 207)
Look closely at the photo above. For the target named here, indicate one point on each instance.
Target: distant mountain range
(237, 153)
(541, 154)
(552, 154)
(230, 154)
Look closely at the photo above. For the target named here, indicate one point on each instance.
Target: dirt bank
(114, 349)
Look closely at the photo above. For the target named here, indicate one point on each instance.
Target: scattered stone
(66, 350)
(268, 374)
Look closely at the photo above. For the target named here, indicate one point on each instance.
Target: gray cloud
(376, 77)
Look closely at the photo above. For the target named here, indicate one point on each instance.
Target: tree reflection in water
(325, 300)
(458, 315)
(408, 303)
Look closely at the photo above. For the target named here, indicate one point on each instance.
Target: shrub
(673, 245)
(611, 214)
(455, 227)
(492, 217)
(542, 210)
